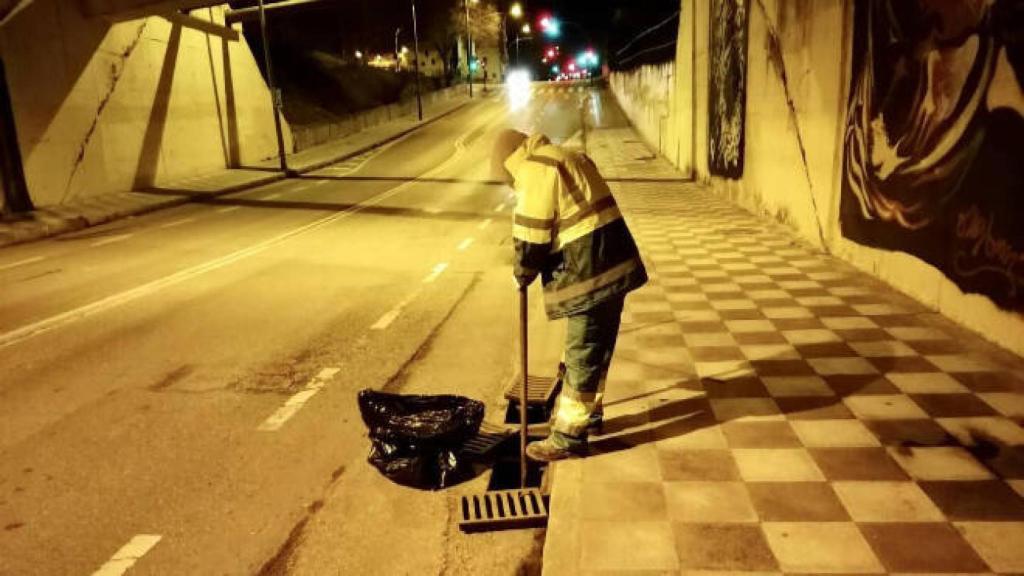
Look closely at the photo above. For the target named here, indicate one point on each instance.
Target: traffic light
(587, 58)
(550, 25)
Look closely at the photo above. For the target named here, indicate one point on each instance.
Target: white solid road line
(227, 209)
(465, 244)
(24, 262)
(128, 555)
(58, 320)
(111, 240)
(177, 223)
(485, 224)
(298, 400)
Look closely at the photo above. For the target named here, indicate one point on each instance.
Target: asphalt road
(145, 365)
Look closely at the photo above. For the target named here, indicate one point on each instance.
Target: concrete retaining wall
(793, 131)
(309, 136)
(104, 107)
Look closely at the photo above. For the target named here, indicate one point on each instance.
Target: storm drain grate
(502, 509)
(540, 390)
(488, 438)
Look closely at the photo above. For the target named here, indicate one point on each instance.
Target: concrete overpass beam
(128, 9)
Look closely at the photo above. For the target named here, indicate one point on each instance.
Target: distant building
(431, 62)
(490, 59)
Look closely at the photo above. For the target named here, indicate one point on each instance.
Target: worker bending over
(568, 229)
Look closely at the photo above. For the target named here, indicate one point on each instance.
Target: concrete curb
(44, 224)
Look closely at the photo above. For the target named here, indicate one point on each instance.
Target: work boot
(549, 450)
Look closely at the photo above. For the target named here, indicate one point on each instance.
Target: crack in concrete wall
(775, 56)
(116, 72)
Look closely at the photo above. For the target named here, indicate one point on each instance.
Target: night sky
(369, 25)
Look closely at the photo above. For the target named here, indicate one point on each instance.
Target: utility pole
(416, 57)
(275, 94)
(469, 50)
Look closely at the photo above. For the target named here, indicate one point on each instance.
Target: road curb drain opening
(505, 473)
(489, 437)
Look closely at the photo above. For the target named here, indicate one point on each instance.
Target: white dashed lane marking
(499, 207)
(391, 315)
(128, 555)
(24, 262)
(485, 224)
(384, 321)
(271, 196)
(465, 244)
(437, 271)
(111, 240)
(227, 209)
(298, 400)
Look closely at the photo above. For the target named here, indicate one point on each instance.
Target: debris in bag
(415, 440)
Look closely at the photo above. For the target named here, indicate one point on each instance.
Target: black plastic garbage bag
(415, 439)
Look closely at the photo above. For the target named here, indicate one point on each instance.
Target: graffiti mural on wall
(934, 141)
(727, 88)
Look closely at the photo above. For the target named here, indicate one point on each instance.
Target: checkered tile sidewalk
(770, 409)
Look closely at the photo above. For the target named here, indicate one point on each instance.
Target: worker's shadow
(683, 407)
(668, 418)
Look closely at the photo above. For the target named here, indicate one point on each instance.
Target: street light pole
(469, 50)
(515, 11)
(504, 37)
(275, 95)
(398, 62)
(416, 57)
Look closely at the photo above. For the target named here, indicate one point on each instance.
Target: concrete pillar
(15, 197)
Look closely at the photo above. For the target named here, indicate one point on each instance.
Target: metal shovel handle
(523, 426)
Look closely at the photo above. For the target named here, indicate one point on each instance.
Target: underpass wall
(104, 106)
(659, 99)
(798, 75)
(646, 94)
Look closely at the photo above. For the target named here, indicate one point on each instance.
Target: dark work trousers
(589, 345)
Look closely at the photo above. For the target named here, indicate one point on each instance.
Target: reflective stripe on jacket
(568, 228)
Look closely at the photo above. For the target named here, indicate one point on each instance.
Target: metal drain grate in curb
(540, 390)
(501, 509)
(488, 438)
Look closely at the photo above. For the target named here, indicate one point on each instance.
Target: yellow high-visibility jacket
(568, 228)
